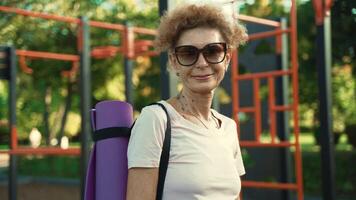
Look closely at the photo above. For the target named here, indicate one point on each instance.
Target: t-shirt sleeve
(238, 156)
(146, 140)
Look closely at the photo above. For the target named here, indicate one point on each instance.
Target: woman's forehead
(199, 37)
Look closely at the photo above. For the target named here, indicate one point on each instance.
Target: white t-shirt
(203, 165)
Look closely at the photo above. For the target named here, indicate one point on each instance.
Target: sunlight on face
(201, 77)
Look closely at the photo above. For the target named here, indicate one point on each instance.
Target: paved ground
(39, 188)
(37, 191)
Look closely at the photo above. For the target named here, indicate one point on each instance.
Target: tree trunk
(68, 104)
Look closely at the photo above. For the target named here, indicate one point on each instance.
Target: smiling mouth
(202, 77)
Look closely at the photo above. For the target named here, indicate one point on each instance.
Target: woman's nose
(201, 60)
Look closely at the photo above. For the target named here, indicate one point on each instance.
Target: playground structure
(132, 48)
(274, 106)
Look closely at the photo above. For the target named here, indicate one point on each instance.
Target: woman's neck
(196, 104)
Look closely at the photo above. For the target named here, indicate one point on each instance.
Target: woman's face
(204, 72)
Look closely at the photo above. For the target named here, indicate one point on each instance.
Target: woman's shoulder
(153, 112)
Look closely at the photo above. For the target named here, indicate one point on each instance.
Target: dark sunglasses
(213, 53)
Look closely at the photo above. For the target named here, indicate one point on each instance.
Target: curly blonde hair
(187, 17)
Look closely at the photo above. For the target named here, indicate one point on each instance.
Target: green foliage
(3, 100)
(58, 37)
(345, 178)
(344, 109)
(49, 167)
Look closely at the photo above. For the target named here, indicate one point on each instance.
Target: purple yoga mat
(107, 169)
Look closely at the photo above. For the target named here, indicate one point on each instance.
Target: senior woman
(205, 158)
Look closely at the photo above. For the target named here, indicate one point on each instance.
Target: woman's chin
(204, 89)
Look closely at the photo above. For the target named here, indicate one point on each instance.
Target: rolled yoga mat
(107, 168)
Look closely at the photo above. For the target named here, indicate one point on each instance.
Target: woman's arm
(142, 184)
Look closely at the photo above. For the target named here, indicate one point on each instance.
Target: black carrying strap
(111, 132)
(163, 164)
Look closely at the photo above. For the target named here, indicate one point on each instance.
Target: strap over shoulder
(163, 164)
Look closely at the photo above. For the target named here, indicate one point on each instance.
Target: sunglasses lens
(214, 53)
(186, 55)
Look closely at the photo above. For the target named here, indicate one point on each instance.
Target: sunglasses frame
(201, 51)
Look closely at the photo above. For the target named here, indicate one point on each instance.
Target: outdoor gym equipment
(130, 48)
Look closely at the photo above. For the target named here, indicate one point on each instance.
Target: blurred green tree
(42, 99)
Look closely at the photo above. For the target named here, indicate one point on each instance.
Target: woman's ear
(228, 56)
(172, 61)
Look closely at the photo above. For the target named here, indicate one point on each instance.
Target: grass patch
(345, 173)
(49, 166)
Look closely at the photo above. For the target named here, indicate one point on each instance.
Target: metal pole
(282, 117)
(85, 95)
(12, 116)
(163, 58)
(325, 106)
(128, 65)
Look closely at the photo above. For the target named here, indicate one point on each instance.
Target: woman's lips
(202, 77)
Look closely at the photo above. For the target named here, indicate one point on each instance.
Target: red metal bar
(42, 151)
(279, 43)
(106, 25)
(274, 108)
(39, 15)
(263, 75)
(258, 113)
(46, 55)
(72, 71)
(146, 31)
(143, 45)
(245, 143)
(105, 51)
(272, 113)
(129, 42)
(13, 137)
(266, 34)
(319, 11)
(269, 185)
(23, 65)
(258, 20)
(282, 108)
(79, 37)
(294, 58)
(235, 88)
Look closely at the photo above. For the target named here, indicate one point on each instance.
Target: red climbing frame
(292, 72)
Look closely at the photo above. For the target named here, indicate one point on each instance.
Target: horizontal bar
(144, 30)
(282, 108)
(255, 36)
(269, 185)
(263, 75)
(39, 15)
(105, 51)
(147, 53)
(259, 144)
(258, 20)
(42, 151)
(98, 24)
(106, 25)
(47, 55)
